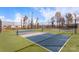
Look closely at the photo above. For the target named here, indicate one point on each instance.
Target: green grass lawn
(72, 45)
(56, 31)
(9, 42)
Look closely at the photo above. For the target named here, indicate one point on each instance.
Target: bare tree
(24, 21)
(32, 23)
(62, 21)
(69, 18)
(32, 20)
(58, 16)
(37, 23)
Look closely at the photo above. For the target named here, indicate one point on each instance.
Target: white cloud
(18, 17)
(3, 18)
(65, 10)
(34, 20)
(46, 13)
(8, 20)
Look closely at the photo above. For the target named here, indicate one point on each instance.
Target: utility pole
(32, 20)
(21, 24)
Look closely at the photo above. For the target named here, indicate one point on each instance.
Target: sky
(14, 14)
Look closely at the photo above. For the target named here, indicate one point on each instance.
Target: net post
(42, 28)
(17, 32)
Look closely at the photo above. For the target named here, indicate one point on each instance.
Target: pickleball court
(52, 42)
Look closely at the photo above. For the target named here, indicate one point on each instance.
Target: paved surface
(52, 42)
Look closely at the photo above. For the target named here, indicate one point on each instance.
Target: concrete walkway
(33, 34)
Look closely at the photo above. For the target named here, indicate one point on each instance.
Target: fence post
(75, 27)
(0, 25)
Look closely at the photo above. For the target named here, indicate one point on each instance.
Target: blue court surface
(53, 42)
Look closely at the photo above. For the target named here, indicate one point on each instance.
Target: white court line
(65, 44)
